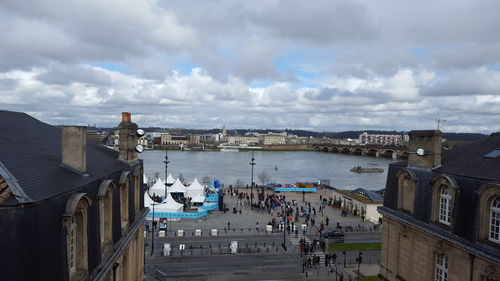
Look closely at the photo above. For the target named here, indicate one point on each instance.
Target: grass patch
(369, 278)
(354, 246)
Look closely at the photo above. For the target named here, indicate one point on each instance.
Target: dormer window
(489, 226)
(444, 192)
(445, 206)
(495, 221)
(406, 191)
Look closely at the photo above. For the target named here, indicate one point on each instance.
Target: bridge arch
(345, 150)
(324, 149)
(335, 149)
(357, 151)
(388, 153)
(372, 152)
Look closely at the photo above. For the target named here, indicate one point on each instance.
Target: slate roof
(371, 195)
(468, 160)
(31, 152)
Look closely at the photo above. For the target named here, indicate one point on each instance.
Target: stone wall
(410, 254)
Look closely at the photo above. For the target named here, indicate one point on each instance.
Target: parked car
(335, 235)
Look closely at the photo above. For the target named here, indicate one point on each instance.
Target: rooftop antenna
(439, 121)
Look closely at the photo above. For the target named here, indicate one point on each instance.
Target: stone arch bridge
(365, 150)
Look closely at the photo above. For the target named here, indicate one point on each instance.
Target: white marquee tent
(157, 189)
(196, 191)
(177, 187)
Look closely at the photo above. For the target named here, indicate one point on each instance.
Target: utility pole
(153, 230)
(166, 171)
(251, 188)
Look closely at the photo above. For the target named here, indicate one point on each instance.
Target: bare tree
(264, 177)
(181, 177)
(238, 183)
(206, 180)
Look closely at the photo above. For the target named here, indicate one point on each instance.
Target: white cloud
(333, 65)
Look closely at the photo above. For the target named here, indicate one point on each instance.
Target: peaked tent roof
(177, 187)
(170, 179)
(169, 204)
(144, 178)
(195, 185)
(158, 188)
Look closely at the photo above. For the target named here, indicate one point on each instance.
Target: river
(282, 167)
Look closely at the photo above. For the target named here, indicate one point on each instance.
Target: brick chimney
(127, 139)
(74, 147)
(428, 140)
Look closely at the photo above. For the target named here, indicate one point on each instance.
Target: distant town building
(441, 212)
(359, 202)
(381, 139)
(273, 139)
(69, 209)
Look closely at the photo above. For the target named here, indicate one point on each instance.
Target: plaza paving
(249, 218)
(260, 256)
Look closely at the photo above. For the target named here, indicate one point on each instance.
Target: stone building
(69, 210)
(441, 213)
(273, 139)
(359, 202)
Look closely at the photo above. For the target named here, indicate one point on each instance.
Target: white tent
(198, 198)
(158, 189)
(148, 202)
(170, 205)
(145, 179)
(196, 190)
(177, 187)
(170, 179)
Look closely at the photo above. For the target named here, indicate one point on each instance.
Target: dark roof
(371, 195)
(31, 152)
(468, 161)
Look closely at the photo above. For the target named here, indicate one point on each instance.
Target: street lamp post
(153, 230)
(166, 171)
(251, 188)
(285, 221)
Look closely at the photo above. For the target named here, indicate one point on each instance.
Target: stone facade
(438, 215)
(409, 254)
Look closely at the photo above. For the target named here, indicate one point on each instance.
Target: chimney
(428, 140)
(74, 147)
(127, 139)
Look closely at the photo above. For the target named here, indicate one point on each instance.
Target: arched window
(445, 206)
(444, 193)
(495, 221)
(76, 220)
(124, 191)
(489, 227)
(406, 190)
(105, 196)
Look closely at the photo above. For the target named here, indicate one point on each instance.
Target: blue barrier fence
(300, 189)
(209, 207)
(212, 197)
(178, 215)
(202, 211)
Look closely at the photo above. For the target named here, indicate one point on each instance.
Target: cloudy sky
(310, 64)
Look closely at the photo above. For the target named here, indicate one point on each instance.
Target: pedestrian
(327, 221)
(257, 226)
(296, 232)
(228, 225)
